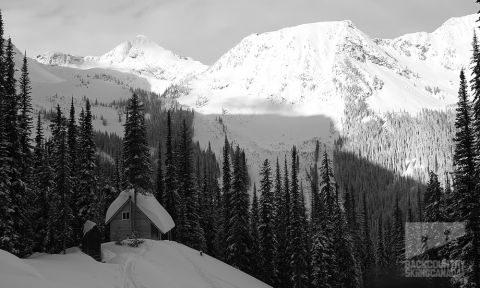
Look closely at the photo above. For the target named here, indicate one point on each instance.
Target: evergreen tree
(355, 231)
(6, 225)
(473, 216)
(466, 204)
(226, 190)
(433, 199)
(325, 221)
(159, 181)
(44, 185)
(118, 174)
(382, 257)
(207, 209)
(398, 238)
(87, 198)
(72, 138)
(256, 269)
(193, 233)
(349, 269)
(15, 163)
(25, 121)
(368, 260)
(475, 86)
(136, 155)
(171, 194)
(61, 213)
(297, 250)
(327, 187)
(266, 227)
(218, 217)
(238, 240)
(283, 253)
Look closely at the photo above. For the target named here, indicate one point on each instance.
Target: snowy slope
(140, 56)
(52, 85)
(159, 264)
(321, 68)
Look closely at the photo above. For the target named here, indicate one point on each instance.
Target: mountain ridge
(323, 68)
(139, 56)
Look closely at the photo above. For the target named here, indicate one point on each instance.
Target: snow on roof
(148, 205)
(88, 226)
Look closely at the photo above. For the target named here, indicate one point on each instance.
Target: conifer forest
(328, 211)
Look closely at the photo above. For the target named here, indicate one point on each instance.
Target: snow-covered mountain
(329, 69)
(140, 56)
(322, 68)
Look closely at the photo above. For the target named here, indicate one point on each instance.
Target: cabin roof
(147, 204)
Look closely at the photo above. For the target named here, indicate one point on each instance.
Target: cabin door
(155, 234)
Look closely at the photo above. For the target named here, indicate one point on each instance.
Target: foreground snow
(153, 264)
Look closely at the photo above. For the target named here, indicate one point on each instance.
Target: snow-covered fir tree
(256, 268)
(137, 168)
(61, 213)
(266, 226)
(238, 238)
(87, 198)
(193, 234)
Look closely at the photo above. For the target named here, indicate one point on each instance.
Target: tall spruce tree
(16, 163)
(6, 225)
(325, 229)
(297, 250)
(226, 190)
(207, 207)
(87, 199)
(282, 262)
(473, 220)
(382, 257)
(159, 180)
(466, 203)
(256, 268)
(368, 261)
(193, 234)
(238, 239)
(43, 181)
(72, 141)
(25, 122)
(136, 154)
(433, 199)
(266, 227)
(61, 213)
(171, 194)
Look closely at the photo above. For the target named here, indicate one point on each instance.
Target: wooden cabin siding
(121, 229)
(142, 224)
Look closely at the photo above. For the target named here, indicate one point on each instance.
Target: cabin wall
(121, 229)
(142, 224)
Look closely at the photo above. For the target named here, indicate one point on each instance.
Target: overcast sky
(204, 29)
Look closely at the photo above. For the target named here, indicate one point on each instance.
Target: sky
(204, 29)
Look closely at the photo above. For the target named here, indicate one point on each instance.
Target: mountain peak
(143, 41)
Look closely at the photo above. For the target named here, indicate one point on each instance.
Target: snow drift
(155, 264)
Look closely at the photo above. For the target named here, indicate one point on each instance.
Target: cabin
(137, 211)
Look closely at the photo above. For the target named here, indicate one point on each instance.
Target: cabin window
(125, 215)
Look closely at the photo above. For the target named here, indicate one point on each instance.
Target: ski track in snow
(130, 279)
